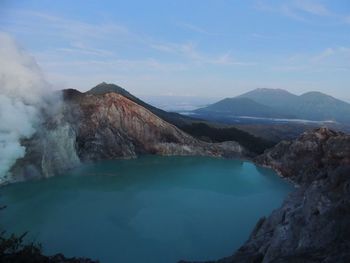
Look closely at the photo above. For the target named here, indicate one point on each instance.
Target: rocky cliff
(312, 225)
(110, 125)
(91, 127)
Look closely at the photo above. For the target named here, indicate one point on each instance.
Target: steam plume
(22, 93)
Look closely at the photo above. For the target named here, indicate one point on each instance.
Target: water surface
(152, 209)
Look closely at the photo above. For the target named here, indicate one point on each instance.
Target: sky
(208, 48)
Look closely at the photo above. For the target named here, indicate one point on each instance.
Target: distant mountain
(319, 106)
(240, 106)
(278, 103)
(272, 97)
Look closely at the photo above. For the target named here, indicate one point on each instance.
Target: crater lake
(151, 209)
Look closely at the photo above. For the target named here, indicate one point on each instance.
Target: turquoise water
(152, 209)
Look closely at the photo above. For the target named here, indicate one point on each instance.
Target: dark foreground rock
(23, 257)
(14, 249)
(312, 225)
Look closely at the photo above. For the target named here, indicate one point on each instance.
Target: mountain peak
(104, 87)
(271, 89)
(268, 91)
(240, 106)
(267, 97)
(319, 97)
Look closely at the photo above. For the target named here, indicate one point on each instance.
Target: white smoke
(22, 93)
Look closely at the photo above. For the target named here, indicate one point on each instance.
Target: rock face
(103, 126)
(313, 223)
(111, 125)
(171, 117)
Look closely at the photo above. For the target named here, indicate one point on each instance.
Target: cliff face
(111, 125)
(313, 223)
(107, 126)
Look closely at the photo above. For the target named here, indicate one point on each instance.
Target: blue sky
(189, 48)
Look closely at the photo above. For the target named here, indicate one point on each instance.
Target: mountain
(275, 98)
(314, 106)
(119, 127)
(171, 117)
(311, 105)
(319, 106)
(240, 106)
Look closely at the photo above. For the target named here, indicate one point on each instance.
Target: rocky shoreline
(312, 223)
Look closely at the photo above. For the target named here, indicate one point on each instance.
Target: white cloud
(22, 92)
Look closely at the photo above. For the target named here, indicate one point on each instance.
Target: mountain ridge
(241, 106)
(313, 105)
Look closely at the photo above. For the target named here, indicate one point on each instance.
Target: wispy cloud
(328, 52)
(311, 7)
(336, 56)
(79, 53)
(302, 10)
(194, 28)
(80, 48)
(328, 60)
(70, 38)
(191, 53)
(108, 41)
(32, 22)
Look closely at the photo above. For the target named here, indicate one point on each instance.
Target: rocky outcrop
(313, 223)
(303, 159)
(103, 126)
